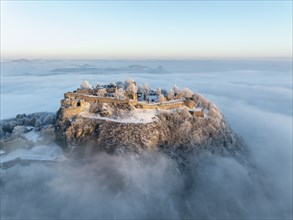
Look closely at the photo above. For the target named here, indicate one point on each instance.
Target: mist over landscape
(255, 97)
(146, 110)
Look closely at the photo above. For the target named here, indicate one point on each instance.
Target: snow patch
(32, 136)
(196, 109)
(38, 153)
(136, 116)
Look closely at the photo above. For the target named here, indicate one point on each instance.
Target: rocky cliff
(171, 131)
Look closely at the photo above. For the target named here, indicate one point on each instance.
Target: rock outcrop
(174, 130)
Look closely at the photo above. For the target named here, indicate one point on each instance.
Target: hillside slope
(172, 130)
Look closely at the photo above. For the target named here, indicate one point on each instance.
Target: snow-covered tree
(170, 94)
(131, 88)
(85, 85)
(176, 90)
(119, 94)
(128, 82)
(98, 84)
(201, 101)
(112, 84)
(186, 93)
(162, 98)
(120, 84)
(146, 89)
(164, 92)
(140, 88)
(101, 92)
(158, 91)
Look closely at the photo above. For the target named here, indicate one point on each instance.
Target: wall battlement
(165, 106)
(75, 102)
(70, 112)
(94, 99)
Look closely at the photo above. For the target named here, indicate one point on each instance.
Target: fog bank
(256, 99)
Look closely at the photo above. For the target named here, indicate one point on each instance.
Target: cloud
(147, 186)
(257, 104)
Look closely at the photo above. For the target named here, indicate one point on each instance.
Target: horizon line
(149, 59)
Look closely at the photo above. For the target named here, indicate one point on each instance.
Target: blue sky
(146, 30)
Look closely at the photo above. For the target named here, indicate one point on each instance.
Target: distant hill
(131, 69)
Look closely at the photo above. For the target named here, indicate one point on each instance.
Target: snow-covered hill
(166, 130)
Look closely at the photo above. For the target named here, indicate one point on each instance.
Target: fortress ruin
(125, 95)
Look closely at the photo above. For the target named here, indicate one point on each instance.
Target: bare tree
(85, 85)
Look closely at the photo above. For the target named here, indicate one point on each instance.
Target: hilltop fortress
(101, 99)
(126, 116)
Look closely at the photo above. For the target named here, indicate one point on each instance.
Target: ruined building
(77, 101)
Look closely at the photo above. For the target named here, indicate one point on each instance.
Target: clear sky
(146, 29)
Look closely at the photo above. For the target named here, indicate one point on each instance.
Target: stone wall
(197, 113)
(94, 99)
(70, 112)
(83, 91)
(190, 104)
(165, 106)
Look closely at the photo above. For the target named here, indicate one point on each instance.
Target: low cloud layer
(257, 103)
(146, 186)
